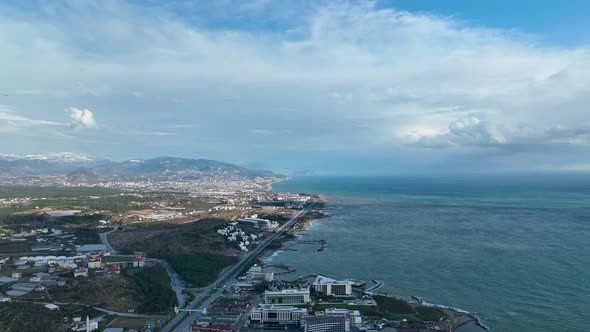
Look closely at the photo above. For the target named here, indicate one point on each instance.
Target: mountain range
(82, 167)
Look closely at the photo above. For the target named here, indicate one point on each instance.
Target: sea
(514, 249)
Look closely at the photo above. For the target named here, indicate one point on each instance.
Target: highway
(231, 274)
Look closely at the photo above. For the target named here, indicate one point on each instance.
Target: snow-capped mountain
(51, 157)
(46, 164)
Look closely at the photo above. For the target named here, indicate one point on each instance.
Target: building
(230, 309)
(113, 269)
(94, 263)
(256, 273)
(92, 249)
(329, 287)
(271, 314)
(138, 261)
(90, 325)
(287, 297)
(81, 272)
(51, 306)
(261, 224)
(354, 315)
(325, 324)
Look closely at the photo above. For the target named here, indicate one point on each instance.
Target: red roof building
(113, 268)
(138, 261)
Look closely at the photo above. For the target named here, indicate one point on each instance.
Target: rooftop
(323, 280)
(92, 247)
(289, 291)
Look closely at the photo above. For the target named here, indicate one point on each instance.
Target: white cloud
(11, 122)
(475, 131)
(269, 132)
(81, 118)
(413, 79)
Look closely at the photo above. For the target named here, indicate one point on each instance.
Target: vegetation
(53, 192)
(26, 316)
(34, 220)
(429, 313)
(393, 309)
(10, 247)
(154, 292)
(115, 204)
(115, 293)
(160, 240)
(392, 305)
(86, 235)
(200, 269)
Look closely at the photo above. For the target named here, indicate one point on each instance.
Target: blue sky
(328, 86)
(557, 22)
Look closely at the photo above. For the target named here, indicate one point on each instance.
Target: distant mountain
(49, 164)
(84, 168)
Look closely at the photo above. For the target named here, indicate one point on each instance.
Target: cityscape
(294, 166)
(139, 256)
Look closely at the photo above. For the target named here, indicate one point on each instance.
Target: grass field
(145, 290)
(200, 269)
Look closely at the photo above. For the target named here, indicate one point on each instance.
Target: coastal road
(183, 320)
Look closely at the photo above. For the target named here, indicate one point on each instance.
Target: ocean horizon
(509, 248)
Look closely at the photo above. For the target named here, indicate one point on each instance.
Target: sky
(331, 87)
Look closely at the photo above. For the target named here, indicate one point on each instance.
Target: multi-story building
(287, 297)
(94, 263)
(329, 287)
(325, 324)
(264, 225)
(354, 315)
(277, 315)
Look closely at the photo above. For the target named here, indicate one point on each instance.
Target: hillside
(84, 168)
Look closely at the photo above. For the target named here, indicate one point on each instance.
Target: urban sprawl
(186, 255)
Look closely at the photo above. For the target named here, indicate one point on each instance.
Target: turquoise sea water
(513, 249)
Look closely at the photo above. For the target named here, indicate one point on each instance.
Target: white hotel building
(287, 297)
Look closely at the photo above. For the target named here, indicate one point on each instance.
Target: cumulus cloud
(81, 118)
(414, 79)
(473, 131)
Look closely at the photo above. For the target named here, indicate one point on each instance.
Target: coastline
(293, 235)
(460, 320)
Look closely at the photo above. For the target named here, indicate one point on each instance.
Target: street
(231, 274)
